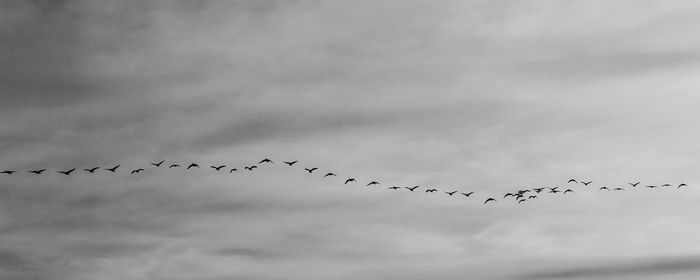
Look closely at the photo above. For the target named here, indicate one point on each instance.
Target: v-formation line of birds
(520, 195)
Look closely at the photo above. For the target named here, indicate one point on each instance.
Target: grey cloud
(635, 268)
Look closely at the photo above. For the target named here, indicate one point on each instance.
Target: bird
(67, 172)
(91, 170)
(490, 199)
(651, 186)
(192, 165)
(290, 163)
(394, 188)
(329, 174)
(451, 193)
(373, 183)
(37, 172)
(467, 194)
(250, 168)
(232, 170)
(666, 185)
(682, 185)
(554, 190)
(572, 181)
(523, 191)
(174, 165)
(508, 194)
(412, 188)
(311, 170)
(267, 160)
(113, 169)
(521, 200)
(430, 190)
(157, 164)
(538, 190)
(349, 180)
(586, 183)
(634, 185)
(217, 167)
(532, 196)
(136, 170)
(603, 188)
(618, 189)
(8, 172)
(568, 190)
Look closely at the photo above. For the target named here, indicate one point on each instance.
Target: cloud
(645, 269)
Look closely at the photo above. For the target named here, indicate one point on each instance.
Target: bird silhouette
(233, 170)
(554, 190)
(467, 194)
(451, 193)
(538, 190)
(311, 170)
(572, 181)
(634, 185)
(532, 196)
(267, 160)
(412, 188)
(508, 194)
(290, 163)
(37, 172)
(603, 188)
(430, 190)
(394, 188)
(490, 199)
(349, 180)
(192, 165)
(568, 190)
(157, 164)
(91, 170)
(373, 183)
(652, 186)
(666, 185)
(586, 183)
(217, 167)
(250, 168)
(682, 185)
(8, 172)
(113, 169)
(618, 189)
(67, 172)
(136, 171)
(522, 200)
(329, 174)
(174, 165)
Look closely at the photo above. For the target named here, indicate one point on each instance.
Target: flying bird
(394, 188)
(666, 185)
(349, 180)
(451, 193)
(618, 189)
(603, 188)
(490, 199)
(37, 172)
(532, 196)
(373, 183)
(290, 163)
(232, 170)
(311, 170)
(554, 190)
(538, 190)
(217, 167)
(267, 160)
(431, 190)
(8, 172)
(521, 200)
(174, 165)
(412, 188)
(192, 165)
(157, 164)
(586, 183)
(91, 170)
(508, 194)
(634, 185)
(467, 194)
(113, 169)
(568, 190)
(329, 174)
(682, 185)
(572, 181)
(651, 187)
(67, 172)
(250, 168)
(136, 171)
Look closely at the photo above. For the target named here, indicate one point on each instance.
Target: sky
(484, 96)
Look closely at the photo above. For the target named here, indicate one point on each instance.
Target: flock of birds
(519, 196)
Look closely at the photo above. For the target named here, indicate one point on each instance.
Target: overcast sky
(485, 96)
